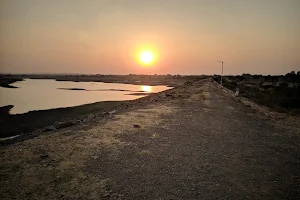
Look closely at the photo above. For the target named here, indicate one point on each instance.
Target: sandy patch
(107, 134)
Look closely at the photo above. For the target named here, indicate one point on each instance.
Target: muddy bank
(22, 125)
(12, 125)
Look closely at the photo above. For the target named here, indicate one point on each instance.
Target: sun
(146, 57)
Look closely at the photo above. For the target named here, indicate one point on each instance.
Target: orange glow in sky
(149, 37)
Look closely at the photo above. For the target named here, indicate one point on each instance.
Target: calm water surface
(45, 94)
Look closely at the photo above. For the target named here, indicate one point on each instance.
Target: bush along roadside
(280, 96)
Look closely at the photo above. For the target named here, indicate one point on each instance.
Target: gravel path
(196, 142)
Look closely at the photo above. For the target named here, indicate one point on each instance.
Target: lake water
(40, 94)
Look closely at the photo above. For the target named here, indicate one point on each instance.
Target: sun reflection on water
(146, 88)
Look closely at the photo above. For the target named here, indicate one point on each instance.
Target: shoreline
(151, 80)
(7, 85)
(6, 81)
(100, 90)
(20, 124)
(33, 123)
(124, 82)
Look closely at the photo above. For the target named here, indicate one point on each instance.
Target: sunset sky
(186, 36)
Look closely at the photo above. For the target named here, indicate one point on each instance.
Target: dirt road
(192, 142)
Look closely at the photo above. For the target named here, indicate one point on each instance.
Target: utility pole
(222, 73)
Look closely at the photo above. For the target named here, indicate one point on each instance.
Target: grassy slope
(280, 98)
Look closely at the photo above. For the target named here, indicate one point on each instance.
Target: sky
(186, 36)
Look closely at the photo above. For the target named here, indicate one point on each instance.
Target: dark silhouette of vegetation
(136, 79)
(6, 80)
(280, 93)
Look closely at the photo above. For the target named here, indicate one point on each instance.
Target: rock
(105, 113)
(49, 128)
(136, 126)
(112, 112)
(237, 93)
(169, 95)
(45, 165)
(64, 124)
(44, 156)
(90, 117)
(106, 195)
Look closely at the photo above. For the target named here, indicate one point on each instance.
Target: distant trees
(292, 76)
(292, 73)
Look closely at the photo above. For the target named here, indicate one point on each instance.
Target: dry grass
(52, 166)
(106, 136)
